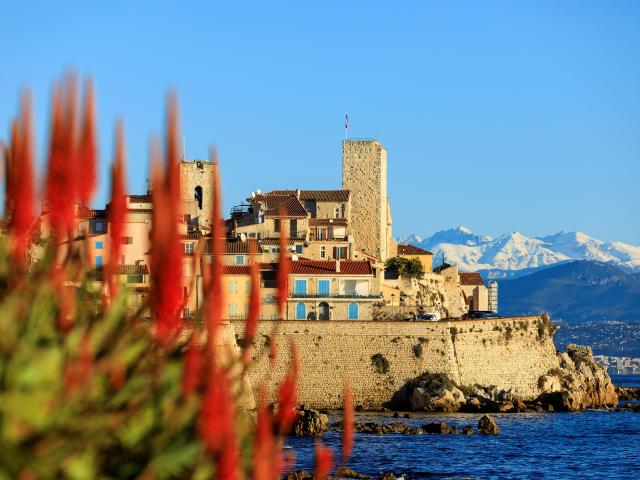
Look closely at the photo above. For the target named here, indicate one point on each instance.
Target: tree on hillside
(405, 267)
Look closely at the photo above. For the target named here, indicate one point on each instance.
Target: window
(301, 311)
(353, 311)
(127, 240)
(300, 287)
(198, 196)
(321, 234)
(275, 249)
(276, 225)
(233, 310)
(134, 278)
(189, 248)
(99, 245)
(323, 287)
(299, 248)
(239, 259)
(268, 279)
(99, 226)
(337, 213)
(186, 313)
(293, 228)
(98, 260)
(323, 252)
(339, 253)
(187, 219)
(248, 286)
(233, 286)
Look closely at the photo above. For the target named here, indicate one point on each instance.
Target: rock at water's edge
(488, 426)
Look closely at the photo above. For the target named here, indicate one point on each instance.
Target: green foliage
(405, 267)
(380, 363)
(52, 426)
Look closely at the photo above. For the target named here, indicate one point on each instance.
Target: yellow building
(424, 256)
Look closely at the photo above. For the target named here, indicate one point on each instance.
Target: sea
(593, 444)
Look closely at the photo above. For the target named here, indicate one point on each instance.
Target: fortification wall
(509, 353)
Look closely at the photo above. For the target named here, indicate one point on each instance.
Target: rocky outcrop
(310, 423)
(430, 393)
(579, 383)
(628, 393)
(488, 426)
(441, 428)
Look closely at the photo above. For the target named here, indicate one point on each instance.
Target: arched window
(353, 311)
(323, 311)
(198, 196)
(301, 311)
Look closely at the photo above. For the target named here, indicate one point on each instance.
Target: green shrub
(380, 363)
(405, 267)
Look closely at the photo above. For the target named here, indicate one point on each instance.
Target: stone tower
(196, 191)
(364, 172)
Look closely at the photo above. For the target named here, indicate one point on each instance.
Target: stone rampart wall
(509, 353)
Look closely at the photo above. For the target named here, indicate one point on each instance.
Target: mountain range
(513, 254)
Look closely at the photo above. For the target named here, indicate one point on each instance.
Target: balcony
(353, 295)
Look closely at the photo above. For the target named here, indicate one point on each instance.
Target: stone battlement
(379, 357)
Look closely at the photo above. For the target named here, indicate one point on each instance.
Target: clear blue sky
(496, 115)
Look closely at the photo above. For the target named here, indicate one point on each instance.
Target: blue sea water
(586, 445)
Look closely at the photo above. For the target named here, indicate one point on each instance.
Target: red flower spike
(287, 395)
(347, 423)
(86, 156)
(283, 268)
(117, 210)
(216, 292)
(267, 459)
(20, 183)
(60, 187)
(216, 425)
(254, 305)
(323, 460)
(166, 255)
(192, 367)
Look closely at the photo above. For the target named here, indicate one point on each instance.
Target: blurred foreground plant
(89, 389)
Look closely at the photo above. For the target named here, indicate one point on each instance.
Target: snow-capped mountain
(515, 251)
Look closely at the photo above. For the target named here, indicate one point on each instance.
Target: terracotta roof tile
(471, 278)
(317, 195)
(325, 222)
(277, 203)
(328, 267)
(233, 246)
(140, 198)
(404, 249)
(276, 241)
(245, 269)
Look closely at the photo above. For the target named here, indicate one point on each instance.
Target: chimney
(338, 265)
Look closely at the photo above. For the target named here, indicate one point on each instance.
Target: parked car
(482, 314)
(428, 317)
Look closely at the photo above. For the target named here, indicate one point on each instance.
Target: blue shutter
(353, 311)
(98, 260)
(301, 311)
(300, 287)
(323, 287)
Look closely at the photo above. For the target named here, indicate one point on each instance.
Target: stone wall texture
(510, 353)
(364, 173)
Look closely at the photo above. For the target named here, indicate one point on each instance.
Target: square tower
(196, 192)
(364, 173)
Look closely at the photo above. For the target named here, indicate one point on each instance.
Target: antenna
(346, 125)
